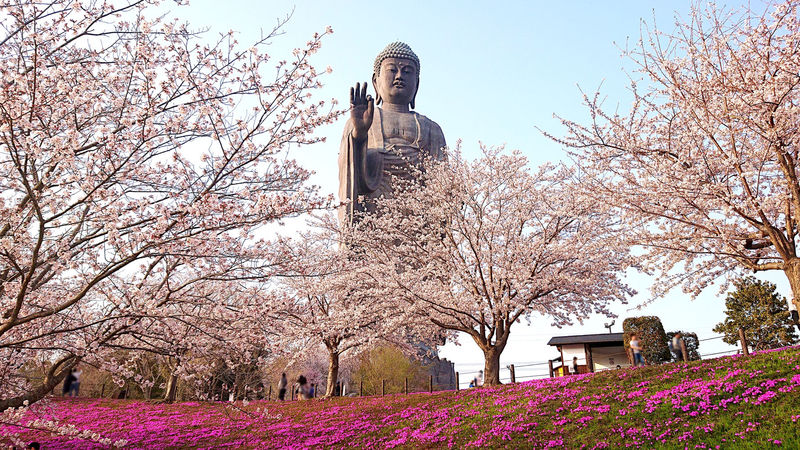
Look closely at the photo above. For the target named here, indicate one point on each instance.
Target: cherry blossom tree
(329, 299)
(205, 324)
(138, 158)
(475, 247)
(704, 165)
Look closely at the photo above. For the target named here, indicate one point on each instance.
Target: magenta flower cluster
(673, 405)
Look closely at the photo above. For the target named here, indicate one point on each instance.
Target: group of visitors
(72, 383)
(302, 388)
(675, 346)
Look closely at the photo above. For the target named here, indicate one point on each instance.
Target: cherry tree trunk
(172, 389)
(333, 372)
(35, 394)
(792, 271)
(491, 369)
(53, 378)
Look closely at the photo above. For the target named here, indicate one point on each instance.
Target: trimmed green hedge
(651, 335)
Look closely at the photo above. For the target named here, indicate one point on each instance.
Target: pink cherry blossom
(703, 166)
(477, 246)
(139, 160)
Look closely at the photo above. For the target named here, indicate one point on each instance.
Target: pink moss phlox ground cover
(704, 404)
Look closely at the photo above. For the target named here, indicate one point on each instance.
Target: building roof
(587, 339)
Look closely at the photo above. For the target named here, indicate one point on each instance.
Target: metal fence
(508, 374)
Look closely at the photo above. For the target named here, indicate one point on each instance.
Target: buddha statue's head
(396, 75)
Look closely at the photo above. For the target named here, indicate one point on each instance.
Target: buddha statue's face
(396, 83)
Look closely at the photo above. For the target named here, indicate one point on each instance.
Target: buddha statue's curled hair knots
(396, 50)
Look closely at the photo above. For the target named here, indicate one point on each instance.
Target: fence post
(361, 388)
(458, 385)
(513, 376)
(430, 384)
(383, 387)
(683, 351)
(550, 366)
(743, 340)
(406, 388)
(269, 396)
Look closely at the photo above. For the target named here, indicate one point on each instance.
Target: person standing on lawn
(75, 387)
(574, 365)
(282, 387)
(67, 383)
(303, 390)
(677, 340)
(636, 346)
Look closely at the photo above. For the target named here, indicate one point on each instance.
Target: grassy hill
(729, 402)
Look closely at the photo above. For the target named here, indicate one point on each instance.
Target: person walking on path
(677, 347)
(636, 346)
(282, 387)
(75, 387)
(575, 365)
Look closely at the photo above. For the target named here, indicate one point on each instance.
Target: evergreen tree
(764, 315)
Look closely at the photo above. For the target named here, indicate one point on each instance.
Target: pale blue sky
(491, 72)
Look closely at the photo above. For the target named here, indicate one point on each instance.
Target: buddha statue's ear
(414, 97)
(378, 98)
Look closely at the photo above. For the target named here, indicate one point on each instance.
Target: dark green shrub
(652, 337)
(692, 343)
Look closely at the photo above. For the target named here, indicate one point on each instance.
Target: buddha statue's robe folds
(395, 142)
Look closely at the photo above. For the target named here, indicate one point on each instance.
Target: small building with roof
(595, 352)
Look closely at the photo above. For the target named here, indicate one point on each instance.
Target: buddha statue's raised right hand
(362, 106)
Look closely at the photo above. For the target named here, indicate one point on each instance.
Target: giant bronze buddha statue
(381, 143)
